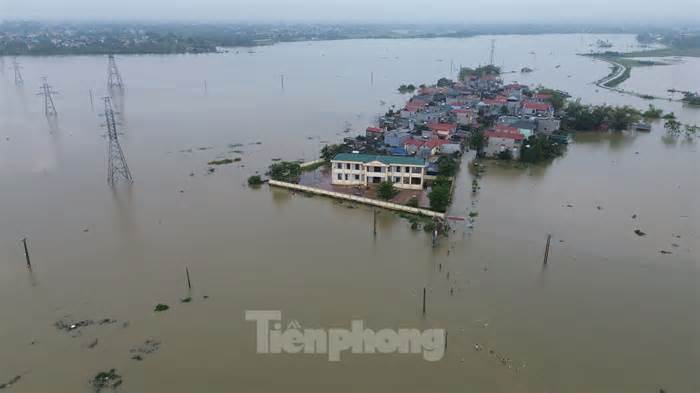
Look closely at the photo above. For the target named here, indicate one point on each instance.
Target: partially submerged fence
(358, 199)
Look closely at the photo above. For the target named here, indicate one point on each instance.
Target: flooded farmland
(609, 313)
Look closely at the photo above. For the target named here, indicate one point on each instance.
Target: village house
(354, 169)
(396, 138)
(501, 138)
(533, 108)
(442, 130)
(547, 125)
(374, 132)
(463, 117)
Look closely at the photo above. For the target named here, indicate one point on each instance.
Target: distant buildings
(354, 169)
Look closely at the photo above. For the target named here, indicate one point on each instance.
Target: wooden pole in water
(205, 87)
(374, 221)
(92, 101)
(282, 81)
(26, 252)
(371, 78)
(445, 340)
(546, 250)
(423, 300)
(189, 283)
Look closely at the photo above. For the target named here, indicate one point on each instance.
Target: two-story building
(354, 169)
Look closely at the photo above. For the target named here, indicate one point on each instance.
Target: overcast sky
(468, 11)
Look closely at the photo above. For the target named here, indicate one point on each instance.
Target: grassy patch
(313, 167)
(224, 161)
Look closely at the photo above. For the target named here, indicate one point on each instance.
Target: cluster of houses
(437, 120)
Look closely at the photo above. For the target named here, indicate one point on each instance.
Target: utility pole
(48, 92)
(282, 81)
(92, 101)
(371, 78)
(114, 79)
(493, 49)
(18, 73)
(116, 166)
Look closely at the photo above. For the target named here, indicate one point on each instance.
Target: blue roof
(398, 151)
(388, 160)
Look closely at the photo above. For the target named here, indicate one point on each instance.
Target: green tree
(477, 140)
(506, 154)
(447, 166)
(386, 190)
(330, 151)
(439, 198)
(653, 112)
(254, 180)
(673, 127)
(539, 148)
(286, 171)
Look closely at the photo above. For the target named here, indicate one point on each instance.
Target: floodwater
(609, 313)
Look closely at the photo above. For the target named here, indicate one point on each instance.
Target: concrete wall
(366, 201)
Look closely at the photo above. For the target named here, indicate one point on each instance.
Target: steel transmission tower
(114, 79)
(48, 92)
(18, 73)
(116, 165)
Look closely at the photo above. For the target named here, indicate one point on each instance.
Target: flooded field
(609, 313)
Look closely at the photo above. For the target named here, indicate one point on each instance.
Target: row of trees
(594, 117)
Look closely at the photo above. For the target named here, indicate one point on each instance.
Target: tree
(539, 148)
(477, 140)
(254, 180)
(330, 151)
(444, 82)
(690, 130)
(653, 112)
(447, 166)
(439, 198)
(673, 127)
(286, 171)
(386, 190)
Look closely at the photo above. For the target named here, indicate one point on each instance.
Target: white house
(354, 169)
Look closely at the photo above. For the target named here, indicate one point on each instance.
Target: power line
(114, 79)
(48, 92)
(116, 165)
(18, 73)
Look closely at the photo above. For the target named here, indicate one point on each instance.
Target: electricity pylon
(18, 73)
(48, 92)
(116, 165)
(114, 79)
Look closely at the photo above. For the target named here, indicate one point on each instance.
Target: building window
(357, 177)
(415, 180)
(357, 167)
(340, 177)
(347, 166)
(377, 169)
(397, 169)
(406, 169)
(397, 179)
(339, 166)
(417, 170)
(346, 177)
(406, 180)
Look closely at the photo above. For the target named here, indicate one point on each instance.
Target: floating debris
(224, 161)
(639, 232)
(161, 307)
(149, 347)
(11, 382)
(106, 380)
(186, 300)
(69, 325)
(664, 252)
(93, 344)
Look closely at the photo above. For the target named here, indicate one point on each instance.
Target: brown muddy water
(610, 312)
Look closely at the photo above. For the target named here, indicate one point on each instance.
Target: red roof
(414, 105)
(433, 143)
(538, 106)
(504, 135)
(413, 142)
(449, 127)
(506, 128)
(500, 100)
(543, 96)
(374, 129)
